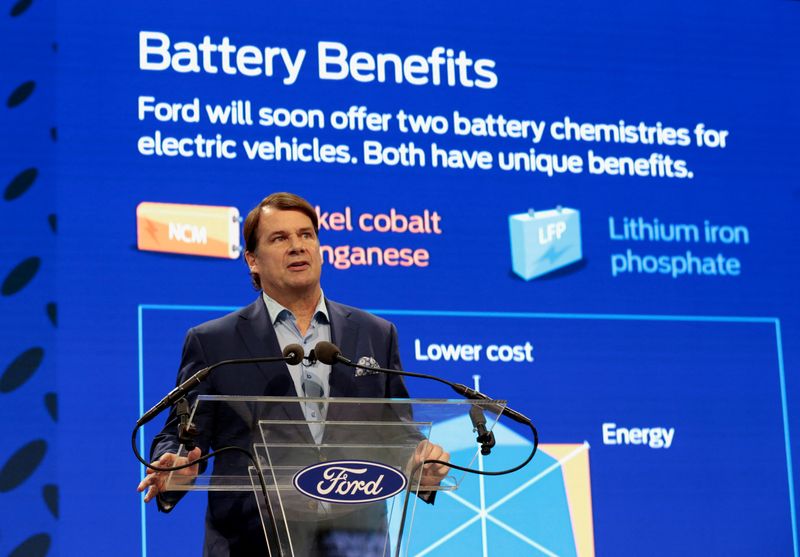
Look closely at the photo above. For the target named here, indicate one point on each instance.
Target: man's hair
(282, 201)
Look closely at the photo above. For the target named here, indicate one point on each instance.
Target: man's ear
(250, 257)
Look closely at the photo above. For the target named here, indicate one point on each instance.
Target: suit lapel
(344, 334)
(259, 337)
(255, 328)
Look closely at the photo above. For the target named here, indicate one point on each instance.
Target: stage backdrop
(589, 211)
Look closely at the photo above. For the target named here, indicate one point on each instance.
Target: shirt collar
(278, 312)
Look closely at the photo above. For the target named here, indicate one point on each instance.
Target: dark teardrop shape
(36, 546)
(22, 464)
(20, 94)
(20, 7)
(20, 276)
(52, 313)
(20, 184)
(54, 133)
(21, 369)
(52, 220)
(50, 494)
(51, 403)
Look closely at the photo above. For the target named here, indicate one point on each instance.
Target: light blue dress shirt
(285, 324)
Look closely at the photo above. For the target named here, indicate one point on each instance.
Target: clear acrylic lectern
(351, 479)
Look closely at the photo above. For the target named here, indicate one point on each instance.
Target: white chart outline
(483, 514)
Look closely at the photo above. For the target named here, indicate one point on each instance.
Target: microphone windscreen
(326, 352)
(293, 354)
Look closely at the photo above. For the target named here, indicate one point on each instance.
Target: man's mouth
(298, 265)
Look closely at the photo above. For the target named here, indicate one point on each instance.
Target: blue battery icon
(544, 241)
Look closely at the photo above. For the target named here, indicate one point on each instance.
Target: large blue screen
(588, 210)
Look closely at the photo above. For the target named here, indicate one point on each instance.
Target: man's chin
(303, 282)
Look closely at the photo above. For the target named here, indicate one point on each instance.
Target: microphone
(292, 354)
(472, 394)
(328, 353)
(485, 437)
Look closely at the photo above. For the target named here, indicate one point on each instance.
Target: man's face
(287, 257)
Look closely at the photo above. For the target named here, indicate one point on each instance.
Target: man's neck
(301, 304)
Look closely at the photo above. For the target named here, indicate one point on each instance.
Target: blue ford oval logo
(349, 481)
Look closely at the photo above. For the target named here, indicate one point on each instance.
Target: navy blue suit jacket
(233, 525)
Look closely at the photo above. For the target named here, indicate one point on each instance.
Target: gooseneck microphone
(485, 437)
(328, 353)
(292, 354)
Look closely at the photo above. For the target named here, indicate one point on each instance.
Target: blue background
(721, 367)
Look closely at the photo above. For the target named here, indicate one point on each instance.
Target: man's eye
(278, 238)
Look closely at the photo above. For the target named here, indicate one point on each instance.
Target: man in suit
(284, 259)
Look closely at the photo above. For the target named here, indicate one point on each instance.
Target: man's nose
(296, 243)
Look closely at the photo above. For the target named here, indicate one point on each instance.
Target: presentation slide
(589, 212)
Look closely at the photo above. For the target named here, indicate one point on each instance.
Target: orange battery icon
(204, 230)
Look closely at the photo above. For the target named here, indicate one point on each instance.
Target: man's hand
(154, 482)
(432, 474)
